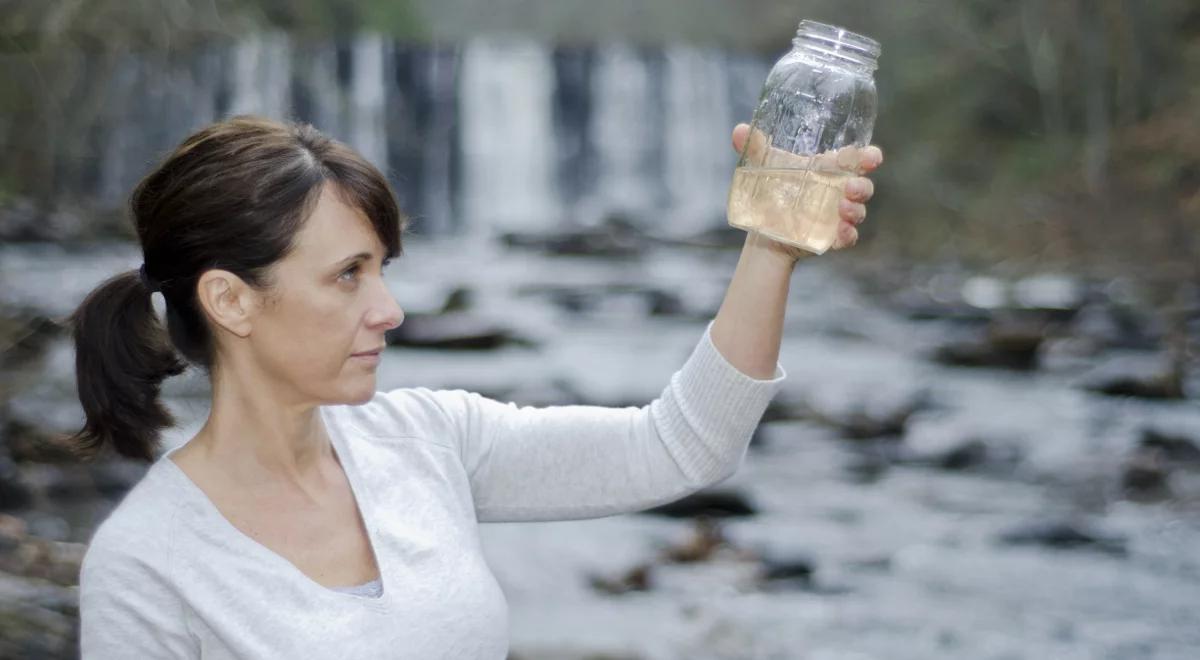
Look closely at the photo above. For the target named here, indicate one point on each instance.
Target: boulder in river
(616, 238)
(1063, 535)
(870, 418)
(1146, 472)
(1137, 376)
(1006, 342)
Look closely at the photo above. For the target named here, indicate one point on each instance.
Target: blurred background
(989, 442)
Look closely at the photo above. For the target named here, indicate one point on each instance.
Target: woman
(313, 516)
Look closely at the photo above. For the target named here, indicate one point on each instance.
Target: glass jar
(816, 111)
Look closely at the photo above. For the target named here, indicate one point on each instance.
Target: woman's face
(331, 302)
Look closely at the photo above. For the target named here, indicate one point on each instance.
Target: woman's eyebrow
(360, 255)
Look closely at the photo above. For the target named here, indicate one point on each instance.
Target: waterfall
(492, 135)
(696, 139)
(367, 133)
(505, 118)
(262, 76)
(625, 132)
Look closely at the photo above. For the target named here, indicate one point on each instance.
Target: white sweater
(167, 576)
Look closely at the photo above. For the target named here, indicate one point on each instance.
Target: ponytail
(122, 355)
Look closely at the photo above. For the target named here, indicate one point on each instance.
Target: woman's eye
(352, 269)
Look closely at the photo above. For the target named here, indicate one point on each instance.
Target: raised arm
(570, 462)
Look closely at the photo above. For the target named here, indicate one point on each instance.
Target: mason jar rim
(839, 41)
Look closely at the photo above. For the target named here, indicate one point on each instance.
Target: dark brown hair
(232, 196)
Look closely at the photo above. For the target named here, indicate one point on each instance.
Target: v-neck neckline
(348, 467)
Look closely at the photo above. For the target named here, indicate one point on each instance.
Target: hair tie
(149, 282)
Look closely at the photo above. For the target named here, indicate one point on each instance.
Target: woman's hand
(852, 208)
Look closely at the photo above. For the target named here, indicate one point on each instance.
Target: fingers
(871, 158)
(847, 236)
(852, 212)
(860, 189)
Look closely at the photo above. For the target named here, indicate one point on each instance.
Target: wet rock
(635, 579)
(1109, 326)
(460, 299)
(1145, 476)
(1146, 473)
(1063, 535)
(797, 572)
(706, 539)
(1177, 449)
(930, 303)
(1007, 343)
(616, 238)
(1135, 376)
(972, 453)
(866, 467)
(585, 298)
(869, 420)
(717, 503)
(15, 492)
(460, 331)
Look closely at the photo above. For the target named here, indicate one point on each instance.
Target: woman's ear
(227, 299)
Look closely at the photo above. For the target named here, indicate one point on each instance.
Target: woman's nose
(387, 312)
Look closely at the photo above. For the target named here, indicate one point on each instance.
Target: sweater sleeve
(574, 462)
(127, 609)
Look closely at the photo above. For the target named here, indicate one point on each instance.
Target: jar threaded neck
(839, 44)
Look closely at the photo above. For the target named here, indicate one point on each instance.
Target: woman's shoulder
(138, 530)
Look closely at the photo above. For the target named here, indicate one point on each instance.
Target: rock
(1135, 376)
(615, 239)
(636, 579)
(797, 571)
(707, 538)
(1009, 344)
(453, 331)
(1111, 326)
(866, 467)
(1175, 448)
(581, 298)
(1146, 472)
(973, 453)
(1062, 535)
(15, 492)
(460, 299)
(1145, 477)
(717, 503)
(868, 420)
